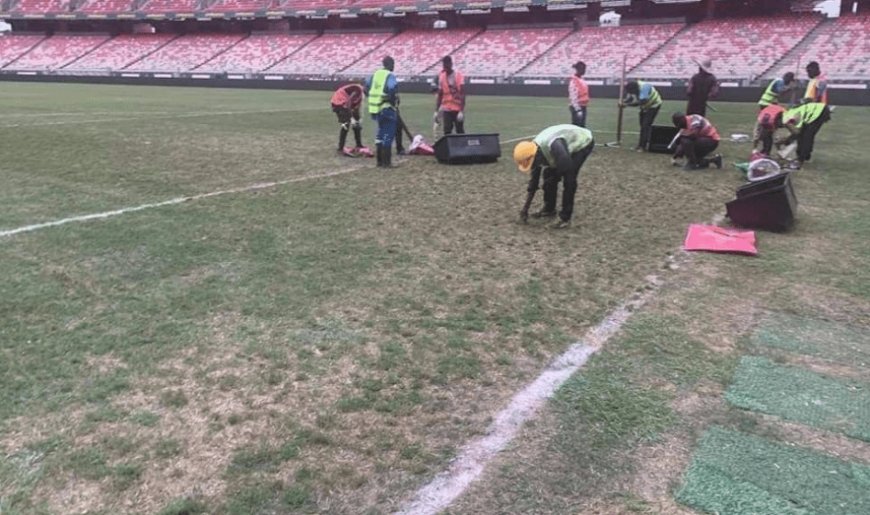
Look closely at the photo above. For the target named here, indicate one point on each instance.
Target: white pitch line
(177, 200)
(473, 458)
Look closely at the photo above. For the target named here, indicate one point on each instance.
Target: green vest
(377, 100)
(769, 96)
(807, 113)
(576, 138)
(654, 100)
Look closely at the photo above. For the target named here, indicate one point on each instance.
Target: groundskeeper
(557, 153)
(578, 95)
(383, 90)
(702, 87)
(346, 102)
(769, 120)
(817, 87)
(775, 90)
(450, 102)
(804, 122)
(698, 138)
(647, 97)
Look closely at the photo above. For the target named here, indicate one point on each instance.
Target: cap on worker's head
(389, 63)
(679, 120)
(788, 77)
(633, 87)
(580, 66)
(447, 61)
(813, 69)
(524, 155)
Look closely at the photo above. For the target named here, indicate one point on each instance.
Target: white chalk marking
(177, 200)
(160, 117)
(516, 139)
(473, 458)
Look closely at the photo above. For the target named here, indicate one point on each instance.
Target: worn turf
(802, 396)
(319, 346)
(734, 473)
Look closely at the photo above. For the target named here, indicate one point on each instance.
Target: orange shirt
(578, 92)
(452, 91)
(767, 116)
(349, 96)
(697, 125)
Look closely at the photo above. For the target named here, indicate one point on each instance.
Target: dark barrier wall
(859, 97)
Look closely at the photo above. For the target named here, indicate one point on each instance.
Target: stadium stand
(740, 48)
(841, 46)
(257, 52)
(236, 5)
(311, 5)
(602, 48)
(186, 52)
(13, 45)
(415, 51)
(42, 6)
(121, 51)
(331, 53)
(56, 52)
(107, 6)
(502, 52)
(170, 6)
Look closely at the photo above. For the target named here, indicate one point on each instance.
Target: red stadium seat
(174, 6)
(256, 53)
(120, 52)
(57, 51)
(107, 6)
(331, 53)
(602, 48)
(415, 51)
(13, 46)
(186, 52)
(503, 52)
(841, 46)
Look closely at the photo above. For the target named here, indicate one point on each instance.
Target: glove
(355, 123)
(460, 116)
(344, 126)
(436, 116)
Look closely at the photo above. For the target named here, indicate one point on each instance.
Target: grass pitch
(324, 345)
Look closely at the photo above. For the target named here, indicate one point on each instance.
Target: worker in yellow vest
(558, 153)
(804, 122)
(383, 92)
(450, 102)
(776, 89)
(647, 97)
(817, 88)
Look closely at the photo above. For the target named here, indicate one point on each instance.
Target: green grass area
(328, 344)
(803, 396)
(733, 473)
(831, 341)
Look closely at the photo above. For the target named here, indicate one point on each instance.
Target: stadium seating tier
(257, 53)
(12, 46)
(186, 52)
(57, 51)
(121, 51)
(503, 52)
(415, 51)
(331, 53)
(841, 46)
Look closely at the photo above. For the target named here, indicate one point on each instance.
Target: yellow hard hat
(524, 155)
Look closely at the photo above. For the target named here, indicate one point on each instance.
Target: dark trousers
(578, 116)
(696, 150)
(647, 118)
(400, 147)
(766, 137)
(387, 123)
(569, 185)
(449, 119)
(345, 117)
(807, 136)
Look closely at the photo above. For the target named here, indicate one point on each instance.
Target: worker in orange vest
(698, 138)
(578, 95)
(817, 88)
(346, 103)
(450, 104)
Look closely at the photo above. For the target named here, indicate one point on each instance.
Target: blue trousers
(388, 122)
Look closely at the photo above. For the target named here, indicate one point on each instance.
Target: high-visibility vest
(451, 97)
(654, 100)
(705, 128)
(767, 116)
(578, 92)
(770, 96)
(576, 139)
(804, 114)
(349, 96)
(813, 90)
(377, 99)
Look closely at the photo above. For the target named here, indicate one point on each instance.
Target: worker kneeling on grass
(558, 153)
(698, 137)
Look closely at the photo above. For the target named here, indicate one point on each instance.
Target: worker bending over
(804, 122)
(346, 102)
(647, 97)
(769, 120)
(776, 89)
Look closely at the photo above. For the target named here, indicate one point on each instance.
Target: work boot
(717, 160)
(561, 224)
(543, 213)
(400, 151)
(388, 158)
(689, 167)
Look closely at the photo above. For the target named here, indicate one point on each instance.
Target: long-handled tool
(674, 141)
(621, 102)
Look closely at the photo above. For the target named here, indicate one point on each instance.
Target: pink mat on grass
(719, 239)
